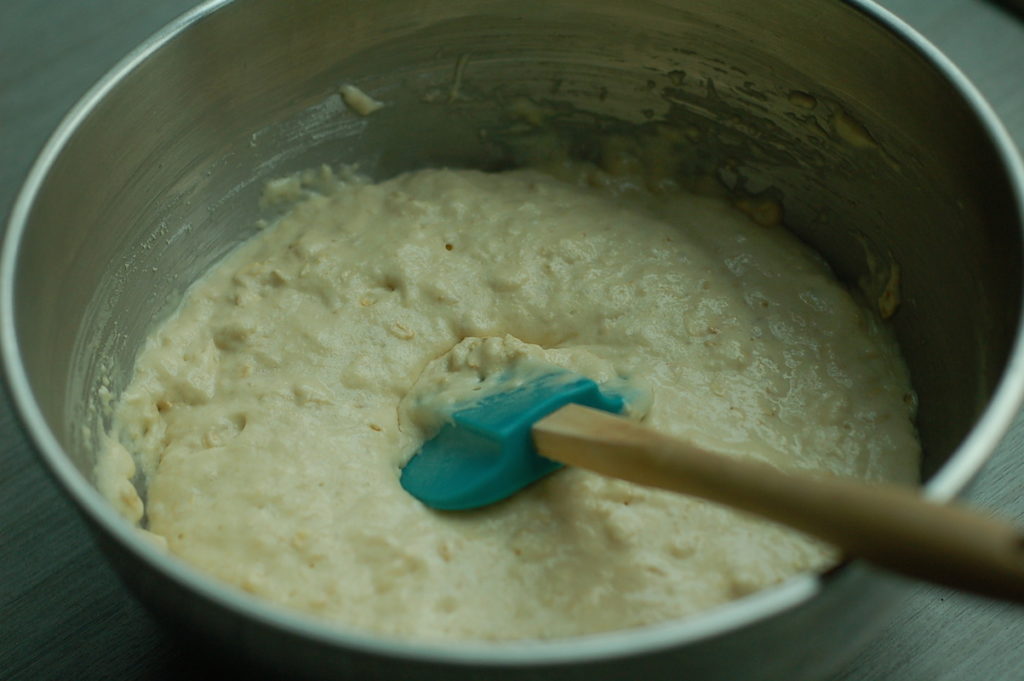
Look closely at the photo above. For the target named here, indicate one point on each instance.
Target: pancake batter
(270, 416)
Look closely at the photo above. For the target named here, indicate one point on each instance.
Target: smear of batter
(269, 415)
(360, 102)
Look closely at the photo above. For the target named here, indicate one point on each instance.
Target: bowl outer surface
(216, 124)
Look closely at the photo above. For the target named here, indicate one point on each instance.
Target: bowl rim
(951, 479)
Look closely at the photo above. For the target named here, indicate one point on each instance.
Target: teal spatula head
(486, 452)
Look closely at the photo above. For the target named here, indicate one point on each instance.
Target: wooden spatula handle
(889, 525)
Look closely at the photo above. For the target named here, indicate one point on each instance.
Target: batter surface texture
(271, 415)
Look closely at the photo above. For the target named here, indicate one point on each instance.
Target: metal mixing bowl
(886, 161)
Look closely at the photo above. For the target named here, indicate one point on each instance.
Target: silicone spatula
(507, 440)
(485, 452)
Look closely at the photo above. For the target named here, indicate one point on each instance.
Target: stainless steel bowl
(880, 150)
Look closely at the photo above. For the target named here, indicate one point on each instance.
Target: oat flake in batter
(269, 417)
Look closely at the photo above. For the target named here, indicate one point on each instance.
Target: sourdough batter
(270, 417)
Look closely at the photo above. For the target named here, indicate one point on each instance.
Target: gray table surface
(63, 614)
